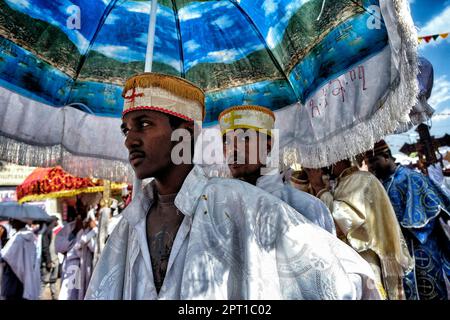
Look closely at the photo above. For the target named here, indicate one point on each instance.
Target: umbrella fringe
(48, 156)
(397, 104)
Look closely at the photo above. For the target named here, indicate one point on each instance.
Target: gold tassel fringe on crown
(249, 107)
(176, 85)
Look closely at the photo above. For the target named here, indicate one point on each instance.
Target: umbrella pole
(151, 37)
(137, 183)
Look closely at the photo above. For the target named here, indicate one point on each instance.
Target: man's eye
(144, 124)
(125, 131)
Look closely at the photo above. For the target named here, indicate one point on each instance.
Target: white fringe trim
(398, 104)
(48, 156)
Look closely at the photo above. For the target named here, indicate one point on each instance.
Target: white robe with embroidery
(309, 206)
(20, 254)
(235, 242)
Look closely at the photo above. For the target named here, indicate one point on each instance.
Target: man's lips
(135, 157)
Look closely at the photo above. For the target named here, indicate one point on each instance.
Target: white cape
(309, 206)
(235, 242)
(20, 254)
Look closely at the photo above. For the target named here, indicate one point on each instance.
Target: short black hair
(175, 122)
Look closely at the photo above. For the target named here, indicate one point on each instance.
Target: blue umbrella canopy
(23, 212)
(274, 53)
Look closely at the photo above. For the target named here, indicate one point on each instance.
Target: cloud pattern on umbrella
(266, 52)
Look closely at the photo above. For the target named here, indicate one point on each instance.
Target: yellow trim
(68, 193)
(250, 107)
(244, 126)
(381, 290)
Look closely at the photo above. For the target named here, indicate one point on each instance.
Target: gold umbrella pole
(106, 192)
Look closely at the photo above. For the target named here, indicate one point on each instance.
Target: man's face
(379, 165)
(242, 151)
(148, 140)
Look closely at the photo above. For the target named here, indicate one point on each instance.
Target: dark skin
(239, 162)
(3, 235)
(51, 225)
(16, 224)
(148, 140)
(162, 230)
(382, 166)
(315, 177)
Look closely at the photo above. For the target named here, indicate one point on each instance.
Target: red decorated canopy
(44, 183)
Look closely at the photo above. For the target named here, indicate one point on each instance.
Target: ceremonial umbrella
(23, 212)
(47, 183)
(421, 111)
(339, 74)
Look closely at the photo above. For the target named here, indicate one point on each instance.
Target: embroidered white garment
(20, 254)
(309, 206)
(236, 242)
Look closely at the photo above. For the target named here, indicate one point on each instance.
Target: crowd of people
(338, 232)
(39, 256)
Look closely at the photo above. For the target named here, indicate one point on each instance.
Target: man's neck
(252, 178)
(172, 180)
(391, 171)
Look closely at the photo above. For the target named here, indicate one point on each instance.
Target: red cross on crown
(132, 98)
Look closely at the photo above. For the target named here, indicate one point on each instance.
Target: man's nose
(132, 140)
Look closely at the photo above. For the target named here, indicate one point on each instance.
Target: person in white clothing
(247, 129)
(186, 236)
(21, 274)
(77, 241)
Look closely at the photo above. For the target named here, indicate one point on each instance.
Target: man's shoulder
(302, 195)
(297, 191)
(235, 187)
(361, 179)
(227, 183)
(363, 174)
(405, 174)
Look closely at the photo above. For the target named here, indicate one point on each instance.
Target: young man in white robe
(22, 270)
(185, 236)
(247, 133)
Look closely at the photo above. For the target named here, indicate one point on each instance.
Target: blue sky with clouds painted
(433, 17)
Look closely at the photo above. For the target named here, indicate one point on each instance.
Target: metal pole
(151, 37)
(137, 183)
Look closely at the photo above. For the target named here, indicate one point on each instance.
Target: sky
(432, 17)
